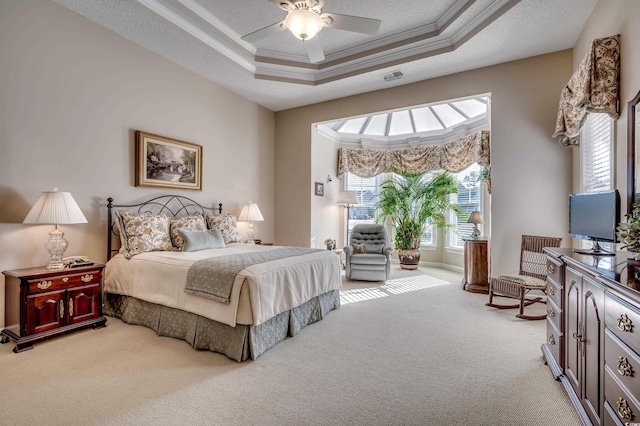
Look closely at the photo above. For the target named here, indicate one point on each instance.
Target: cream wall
(531, 172)
(615, 17)
(324, 209)
(71, 95)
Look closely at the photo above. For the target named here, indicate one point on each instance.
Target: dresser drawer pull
(65, 279)
(624, 411)
(624, 323)
(551, 268)
(71, 308)
(61, 309)
(86, 278)
(551, 312)
(624, 367)
(552, 339)
(552, 290)
(43, 285)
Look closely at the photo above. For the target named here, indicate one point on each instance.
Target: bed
(218, 294)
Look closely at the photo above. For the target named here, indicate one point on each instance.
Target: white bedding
(259, 291)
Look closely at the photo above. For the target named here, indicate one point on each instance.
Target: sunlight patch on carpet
(390, 288)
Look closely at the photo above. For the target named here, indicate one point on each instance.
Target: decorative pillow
(358, 248)
(227, 225)
(200, 240)
(192, 223)
(143, 232)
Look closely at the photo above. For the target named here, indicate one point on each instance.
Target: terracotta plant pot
(409, 259)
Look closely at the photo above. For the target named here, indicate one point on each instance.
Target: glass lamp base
(56, 246)
(476, 233)
(251, 234)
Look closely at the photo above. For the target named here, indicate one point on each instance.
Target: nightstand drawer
(64, 281)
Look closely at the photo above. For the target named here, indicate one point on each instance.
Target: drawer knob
(624, 367)
(552, 290)
(624, 411)
(43, 285)
(65, 279)
(86, 278)
(624, 323)
(551, 268)
(551, 312)
(552, 339)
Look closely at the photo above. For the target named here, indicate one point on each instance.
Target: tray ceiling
(422, 39)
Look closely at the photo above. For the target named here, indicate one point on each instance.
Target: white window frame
(597, 167)
(464, 229)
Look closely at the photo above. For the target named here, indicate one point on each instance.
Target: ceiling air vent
(393, 75)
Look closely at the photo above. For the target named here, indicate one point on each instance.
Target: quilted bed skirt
(238, 343)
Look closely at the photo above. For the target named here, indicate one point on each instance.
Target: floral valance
(453, 156)
(592, 88)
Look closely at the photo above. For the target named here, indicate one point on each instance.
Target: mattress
(259, 291)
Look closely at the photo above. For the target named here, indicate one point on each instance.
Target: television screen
(594, 215)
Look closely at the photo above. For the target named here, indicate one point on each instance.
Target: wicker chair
(532, 276)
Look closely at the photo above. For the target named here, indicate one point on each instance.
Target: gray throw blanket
(213, 277)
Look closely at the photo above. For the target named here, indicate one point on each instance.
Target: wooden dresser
(593, 334)
(41, 303)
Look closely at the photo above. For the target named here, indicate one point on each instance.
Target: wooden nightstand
(41, 303)
(476, 265)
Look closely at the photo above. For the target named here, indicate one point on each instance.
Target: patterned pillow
(143, 232)
(358, 248)
(227, 225)
(191, 223)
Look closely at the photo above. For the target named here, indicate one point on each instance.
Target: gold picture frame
(167, 163)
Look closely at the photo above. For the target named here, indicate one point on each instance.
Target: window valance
(453, 156)
(592, 88)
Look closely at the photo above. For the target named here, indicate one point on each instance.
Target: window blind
(597, 153)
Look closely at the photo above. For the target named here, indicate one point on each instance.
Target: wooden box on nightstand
(41, 303)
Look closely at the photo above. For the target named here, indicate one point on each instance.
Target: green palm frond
(409, 200)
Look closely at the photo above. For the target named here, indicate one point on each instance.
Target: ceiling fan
(305, 19)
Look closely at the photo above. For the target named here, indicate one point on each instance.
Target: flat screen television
(594, 216)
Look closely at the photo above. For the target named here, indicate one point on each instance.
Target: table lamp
(251, 213)
(476, 218)
(55, 208)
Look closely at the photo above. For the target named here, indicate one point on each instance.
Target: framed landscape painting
(167, 163)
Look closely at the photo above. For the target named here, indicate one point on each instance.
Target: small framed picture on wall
(320, 189)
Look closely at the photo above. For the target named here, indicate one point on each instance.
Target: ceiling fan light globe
(304, 24)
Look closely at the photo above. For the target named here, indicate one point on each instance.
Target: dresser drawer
(610, 418)
(623, 320)
(555, 270)
(623, 404)
(623, 362)
(61, 282)
(554, 291)
(554, 313)
(555, 341)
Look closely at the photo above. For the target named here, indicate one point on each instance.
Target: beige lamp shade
(348, 198)
(55, 208)
(475, 217)
(250, 213)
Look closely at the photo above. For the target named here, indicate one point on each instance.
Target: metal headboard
(170, 205)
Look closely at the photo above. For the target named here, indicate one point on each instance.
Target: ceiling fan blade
(264, 32)
(356, 24)
(314, 50)
(282, 4)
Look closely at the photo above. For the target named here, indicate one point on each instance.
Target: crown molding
(406, 46)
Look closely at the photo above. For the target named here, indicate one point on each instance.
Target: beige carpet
(423, 352)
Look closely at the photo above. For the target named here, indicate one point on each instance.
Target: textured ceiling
(422, 38)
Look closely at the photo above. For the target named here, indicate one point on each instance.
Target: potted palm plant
(408, 202)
